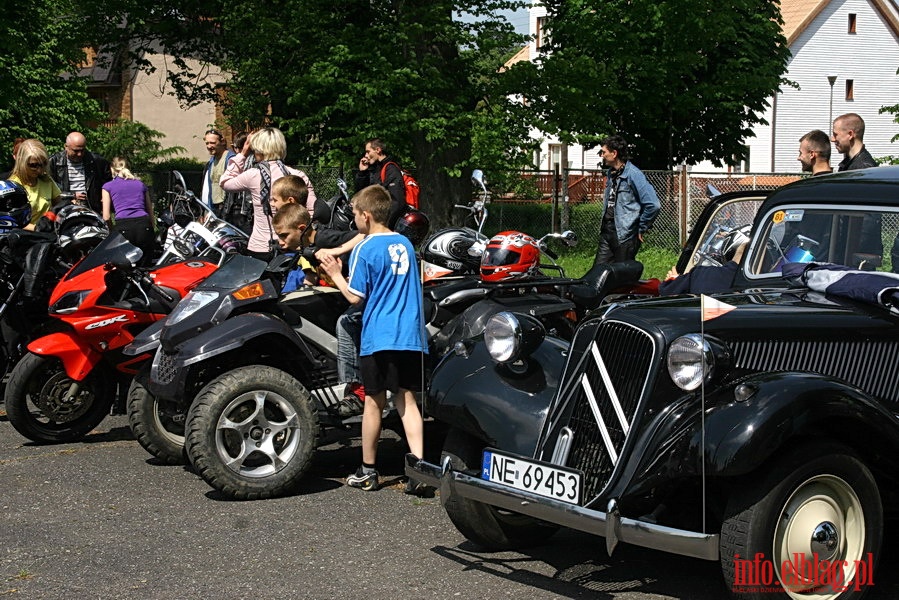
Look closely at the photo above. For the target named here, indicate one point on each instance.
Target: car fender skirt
(740, 436)
(501, 405)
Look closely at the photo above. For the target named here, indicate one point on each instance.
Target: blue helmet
(15, 211)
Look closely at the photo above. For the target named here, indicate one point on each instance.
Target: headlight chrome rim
(690, 361)
(502, 335)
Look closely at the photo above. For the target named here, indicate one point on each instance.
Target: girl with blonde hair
(269, 148)
(128, 197)
(30, 171)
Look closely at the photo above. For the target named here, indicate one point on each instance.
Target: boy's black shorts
(391, 370)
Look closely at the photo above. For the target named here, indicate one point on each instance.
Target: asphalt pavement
(101, 519)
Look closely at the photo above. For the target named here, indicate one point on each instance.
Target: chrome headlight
(690, 359)
(191, 303)
(510, 337)
(69, 303)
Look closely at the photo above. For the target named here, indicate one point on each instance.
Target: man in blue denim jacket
(630, 205)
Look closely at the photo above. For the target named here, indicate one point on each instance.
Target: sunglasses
(33, 165)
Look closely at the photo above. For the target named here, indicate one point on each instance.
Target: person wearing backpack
(269, 147)
(376, 167)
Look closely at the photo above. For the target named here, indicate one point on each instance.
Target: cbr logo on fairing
(105, 322)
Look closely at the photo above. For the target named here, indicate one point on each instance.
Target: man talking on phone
(376, 167)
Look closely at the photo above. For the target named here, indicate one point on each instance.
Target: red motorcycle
(67, 382)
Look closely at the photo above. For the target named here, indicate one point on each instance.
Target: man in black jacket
(83, 173)
(376, 167)
(848, 137)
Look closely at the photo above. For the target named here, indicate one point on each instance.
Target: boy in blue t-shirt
(384, 275)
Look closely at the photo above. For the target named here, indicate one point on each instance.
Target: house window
(850, 89)
(852, 20)
(540, 37)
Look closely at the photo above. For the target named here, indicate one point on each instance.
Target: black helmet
(449, 249)
(15, 211)
(414, 225)
(79, 228)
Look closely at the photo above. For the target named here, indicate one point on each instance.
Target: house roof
(523, 54)
(798, 15)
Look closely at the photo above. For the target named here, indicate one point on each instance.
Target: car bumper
(610, 525)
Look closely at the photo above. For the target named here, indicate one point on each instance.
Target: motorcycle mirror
(179, 181)
(477, 177)
(569, 237)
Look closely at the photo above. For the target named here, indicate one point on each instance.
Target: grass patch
(656, 261)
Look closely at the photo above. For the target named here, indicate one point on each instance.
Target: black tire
(158, 428)
(819, 489)
(36, 401)
(219, 421)
(489, 527)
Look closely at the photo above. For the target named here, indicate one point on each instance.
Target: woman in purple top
(128, 197)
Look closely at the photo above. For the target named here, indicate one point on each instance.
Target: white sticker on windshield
(793, 215)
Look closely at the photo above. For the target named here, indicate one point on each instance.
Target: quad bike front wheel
(157, 426)
(251, 433)
(45, 405)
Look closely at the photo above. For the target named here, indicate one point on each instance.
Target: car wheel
(810, 525)
(251, 433)
(158, 427)
(487, 526)
(41, 406)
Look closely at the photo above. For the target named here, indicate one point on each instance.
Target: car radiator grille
(609, 382)
(165, 366)
(868, 365)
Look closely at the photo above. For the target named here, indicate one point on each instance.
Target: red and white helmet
(510, 255)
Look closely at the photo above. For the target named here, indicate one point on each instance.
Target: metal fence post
(557, 185)
(684, 208)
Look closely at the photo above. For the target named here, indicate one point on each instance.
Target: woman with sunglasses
(30, 171)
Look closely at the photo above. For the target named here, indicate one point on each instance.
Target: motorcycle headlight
(510, 337)
(69, 302)
(690, 359)
(191, 303)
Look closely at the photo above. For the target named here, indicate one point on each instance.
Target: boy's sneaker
(367, 483)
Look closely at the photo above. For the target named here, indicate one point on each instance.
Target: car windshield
(725, 232)
(862, 238)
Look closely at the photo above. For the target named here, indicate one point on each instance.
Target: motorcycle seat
(603, 278)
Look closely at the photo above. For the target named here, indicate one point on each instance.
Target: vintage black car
(760, 438)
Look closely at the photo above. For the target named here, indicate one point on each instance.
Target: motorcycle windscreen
(238, 271)
(113, 250)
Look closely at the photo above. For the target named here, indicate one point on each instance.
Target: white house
(847, 50)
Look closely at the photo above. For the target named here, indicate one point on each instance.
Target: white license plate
(531, 476)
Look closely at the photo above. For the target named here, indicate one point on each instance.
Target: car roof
(876, 185)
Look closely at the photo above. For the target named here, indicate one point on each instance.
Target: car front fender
(502, 405)
(740, 436)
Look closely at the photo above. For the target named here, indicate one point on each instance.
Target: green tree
(682, 80)
(41, 96)
(332, 73)
(132, 140)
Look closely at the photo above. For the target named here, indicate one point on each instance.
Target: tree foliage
(682, 80)
(133, 141)
(332, 74)
(41, 48)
